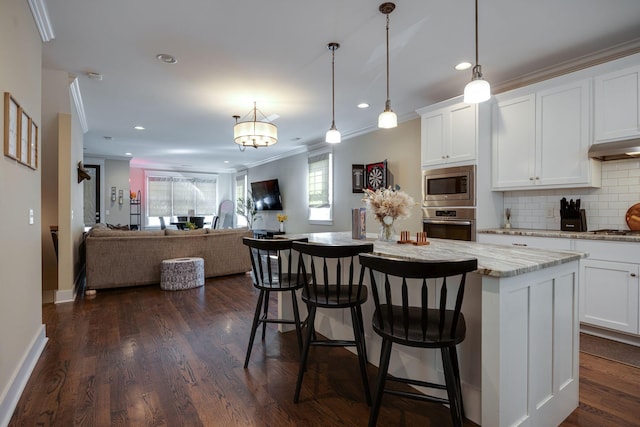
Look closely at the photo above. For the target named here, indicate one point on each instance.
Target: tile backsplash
(605, 207)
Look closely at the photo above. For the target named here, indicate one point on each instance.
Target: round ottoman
(181, 273)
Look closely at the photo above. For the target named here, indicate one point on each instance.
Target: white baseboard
(611, 335)
(10, 400)
(68, 295)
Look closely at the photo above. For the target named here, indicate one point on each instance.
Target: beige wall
(401, 148)
(21, 326)
(116, 174)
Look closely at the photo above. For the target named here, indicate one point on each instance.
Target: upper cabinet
(449, 134)
(540, 139)
(617, 105)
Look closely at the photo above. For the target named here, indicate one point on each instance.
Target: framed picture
(33, 144)
(357, 178)
(23, 147)
(11, 129)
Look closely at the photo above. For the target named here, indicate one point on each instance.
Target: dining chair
(330, 282)
(418, 322)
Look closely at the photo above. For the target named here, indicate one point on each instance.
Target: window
(320, 186)
(241, 194)
(171, 196)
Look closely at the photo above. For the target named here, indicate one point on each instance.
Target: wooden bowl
(633, 217)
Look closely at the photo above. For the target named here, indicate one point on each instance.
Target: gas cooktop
(609, 232)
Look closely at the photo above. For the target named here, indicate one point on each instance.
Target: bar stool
(272, 271)
(333, 287)
(418, 325)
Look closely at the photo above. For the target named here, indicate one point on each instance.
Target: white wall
(116, 174)
(401, 148)
(21, 328)
(605, 207)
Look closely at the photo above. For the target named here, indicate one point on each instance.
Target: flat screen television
(266, 195)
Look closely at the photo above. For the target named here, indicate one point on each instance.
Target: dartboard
(376, 175)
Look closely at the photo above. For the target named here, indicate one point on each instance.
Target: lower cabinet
(609, 285)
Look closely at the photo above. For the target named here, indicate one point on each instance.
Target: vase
(282, 227)
(387, 232)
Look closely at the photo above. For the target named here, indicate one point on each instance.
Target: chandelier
(253, 132)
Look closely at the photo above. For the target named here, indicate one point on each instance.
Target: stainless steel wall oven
(448, 203)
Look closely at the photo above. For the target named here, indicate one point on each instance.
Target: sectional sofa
(117, 258)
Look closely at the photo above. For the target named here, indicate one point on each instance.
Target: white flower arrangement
(388, 204)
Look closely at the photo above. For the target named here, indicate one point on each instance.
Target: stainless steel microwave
(449, 186)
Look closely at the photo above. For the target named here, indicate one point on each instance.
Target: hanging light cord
(333, 88)
(476, 33)
(388, 103)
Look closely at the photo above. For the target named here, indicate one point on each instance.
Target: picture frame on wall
(33, 144)
(11, 129)
(357, 178)
(23, 148)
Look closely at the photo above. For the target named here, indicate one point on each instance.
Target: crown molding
(595, 58)
(41, 16)
(77, 101)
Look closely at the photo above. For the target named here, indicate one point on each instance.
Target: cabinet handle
(447, 156)
(443, 157)
(519, 244)
(530, 178)
(537, 177)
(633, 274)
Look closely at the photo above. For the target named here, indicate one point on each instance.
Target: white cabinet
(617, 105)
(541, 140)
(448, 134)
(609, 285)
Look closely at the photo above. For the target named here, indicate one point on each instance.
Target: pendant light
(253, 132)
(478, 89)
(333, 135)
(387, 119)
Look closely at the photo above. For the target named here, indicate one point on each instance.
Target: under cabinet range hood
(628, 149)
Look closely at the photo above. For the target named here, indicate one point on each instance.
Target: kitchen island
(519, 361)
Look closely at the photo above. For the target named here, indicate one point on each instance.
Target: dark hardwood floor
(143, 356)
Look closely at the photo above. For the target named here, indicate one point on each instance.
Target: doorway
(92, 196)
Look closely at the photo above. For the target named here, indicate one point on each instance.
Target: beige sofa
(117, 258)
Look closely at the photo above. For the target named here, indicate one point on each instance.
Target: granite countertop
(587, 235)
(493, 260)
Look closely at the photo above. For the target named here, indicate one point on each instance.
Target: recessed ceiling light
(94, 76)
(463, 66)
(363, 105)
(166, 58)
(226, 161)
(128, 154)
(297, 138)
(138, 127)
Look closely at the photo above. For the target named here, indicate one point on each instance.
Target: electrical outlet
(550, 213)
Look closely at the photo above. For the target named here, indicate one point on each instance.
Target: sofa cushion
(105, 232)
(185, 232)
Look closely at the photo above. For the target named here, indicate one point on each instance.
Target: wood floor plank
(143, 356)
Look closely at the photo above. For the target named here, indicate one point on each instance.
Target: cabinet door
(562, 135)
(513, 145)
(617, 109)
(609, 295)
(433, 136)
(463, 131)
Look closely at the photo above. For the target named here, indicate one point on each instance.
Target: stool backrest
(411, 276)
(272, 261)
(328, 278)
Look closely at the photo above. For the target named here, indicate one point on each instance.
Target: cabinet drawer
(528, 241)
(609, 250)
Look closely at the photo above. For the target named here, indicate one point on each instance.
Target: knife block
(574, 224)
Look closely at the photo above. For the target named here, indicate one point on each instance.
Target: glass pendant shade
(387, 120)
(333, 136)
(477, 90)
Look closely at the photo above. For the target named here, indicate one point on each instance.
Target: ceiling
(274, 52)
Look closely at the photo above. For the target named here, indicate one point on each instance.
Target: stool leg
(456, 371)
(305, 352)
(264, 316)
(254, 327)
(296, 318)
(362, 358)
(385, 355)
(452, 393)
(364, 341)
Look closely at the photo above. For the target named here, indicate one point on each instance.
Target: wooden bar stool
(417, 325)
(333, 285)
(273, 271)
